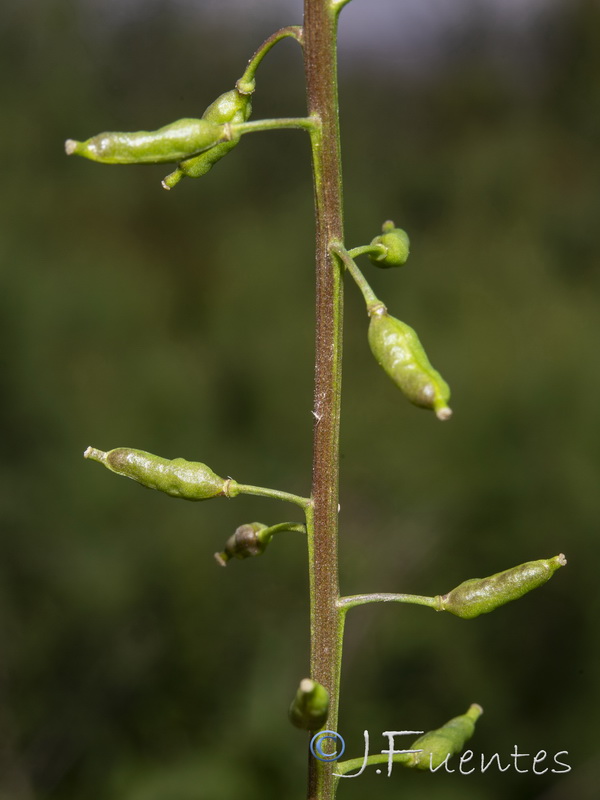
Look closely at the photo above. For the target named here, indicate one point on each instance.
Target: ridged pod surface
(230, 107)
(189, 480)
(171, 143)
(444, 742)
(482, 595)
(397, 349)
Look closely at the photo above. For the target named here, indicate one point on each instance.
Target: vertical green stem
(326, 623)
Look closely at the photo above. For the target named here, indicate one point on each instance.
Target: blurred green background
(131, 666)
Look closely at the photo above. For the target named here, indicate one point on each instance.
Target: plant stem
(326, 620)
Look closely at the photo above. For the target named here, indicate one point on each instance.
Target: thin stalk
(305, 123)
(366, 248)
(275, 494)
(382, 597)
(326, 620)
(245, 84)
(296, 527)
(350, 264)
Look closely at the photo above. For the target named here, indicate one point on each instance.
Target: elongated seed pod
(438, 745)
(394, 246)
(229, 107)
(189, 480)
(310, 706)
(397, 349)
(173, 142)
(482, 595)
(245, 543)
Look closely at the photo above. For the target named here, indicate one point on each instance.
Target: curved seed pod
(172, 142)
(397, 349)
(437, 745)
(229, 107)
(310, 707)
(482, 595)
(245, 542)
(394, 246)
(189, 480)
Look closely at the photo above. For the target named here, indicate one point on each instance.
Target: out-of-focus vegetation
(131, 665)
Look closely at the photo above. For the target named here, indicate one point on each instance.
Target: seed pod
(246, 542)
(482, 595)
(229, 107)
(394, 246)
(189, 480)
(438, 745)
(310, 707)
(173, 142)
(397, 349)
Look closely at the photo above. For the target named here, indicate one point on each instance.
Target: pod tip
(95, 455)
(172, 179)
(443, 413)
(71, 146)
(307, 685)
(221, 559)
(561, 559)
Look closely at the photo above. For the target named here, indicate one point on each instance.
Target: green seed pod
(482, 595)
(229, 107)
(397, 349)
(246, 542)
(394, 246)
(173, 142)
(310, 707)
(189, 480)
(438, 745)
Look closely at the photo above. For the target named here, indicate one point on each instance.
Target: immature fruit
(397, 349)
(246, 542)
(393, 244)
(310, 707)
(189, 480)
(172, 142)
(229, 107)
(482, 595)
(438, 745)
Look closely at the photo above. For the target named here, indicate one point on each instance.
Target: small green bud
(173, 142)
(229, 107)
(438, 745)
(482, 595)
(310, 707)
(189, 480)
(394, 246)
(397, 349)
(248, 540)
